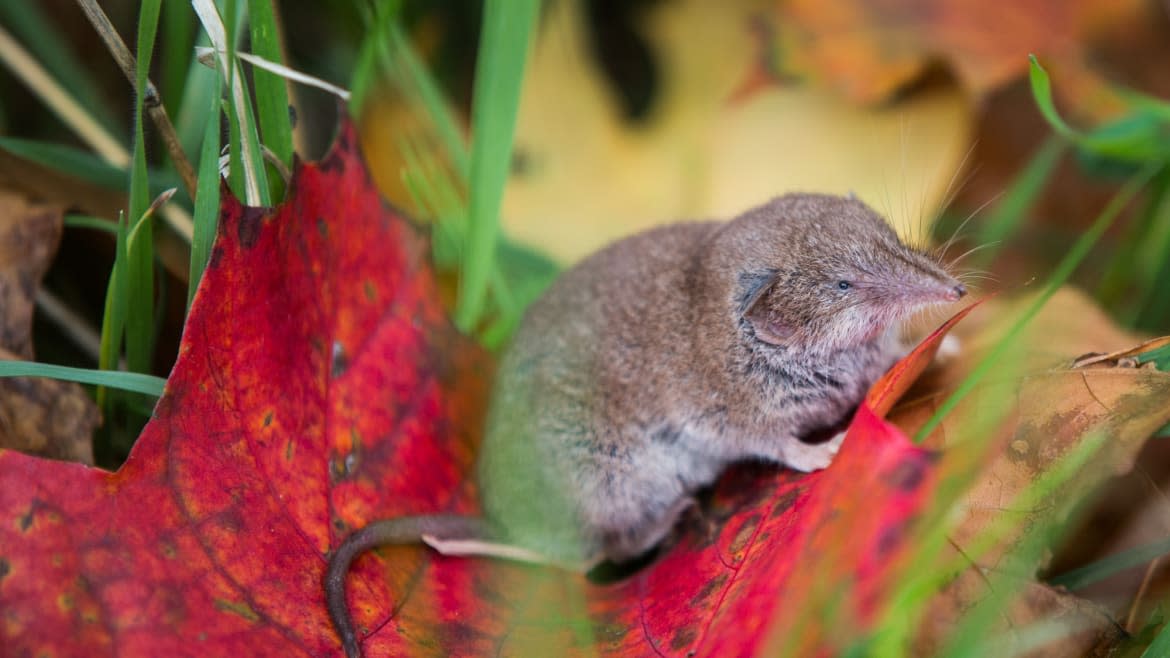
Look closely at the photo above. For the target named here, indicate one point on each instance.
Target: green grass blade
(363, 75)
(970, 637)
(438, 182)
(94, 223)
(1134, 139)
(507, 31)
(1063, 270)
(437, 194)
(376, 18)
(206, 198)
(68, 160)
(143, 226)
(140, 265)
(431, 98)
(1010, 212)
(114, 315)
(201, 83)
(249, 158)
(1152, 262)
(1141, 244)
(177, 44)
(236, 173)
(1042, 93)
(246, 171)
(82, 165)
(1109, 565)
(387, 46)
(127, 381)
(238, 164)
(1160, 647)
(271, 91)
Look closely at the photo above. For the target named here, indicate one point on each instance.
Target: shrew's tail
(402, 530)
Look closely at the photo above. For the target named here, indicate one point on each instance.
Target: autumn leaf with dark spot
(211, 538)
(1037, 412)
(320, 386)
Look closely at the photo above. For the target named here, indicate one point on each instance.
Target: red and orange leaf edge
(319, 385)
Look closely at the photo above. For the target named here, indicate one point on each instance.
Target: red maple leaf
(319, 386)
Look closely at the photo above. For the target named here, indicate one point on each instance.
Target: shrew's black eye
(844, 285)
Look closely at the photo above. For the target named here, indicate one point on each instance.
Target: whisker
(950, 196)
(977, 277)
(958, 259)
(901, 182)
(956, 233)
(952, 191)
(975, 282)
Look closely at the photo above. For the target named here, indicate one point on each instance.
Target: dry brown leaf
(1070, 626)
(29, 234)
(1039, 410)
(46, 417)
(869, 51)
(1054, 412)
(1119, 357)
(1069, 326)
(38, 416)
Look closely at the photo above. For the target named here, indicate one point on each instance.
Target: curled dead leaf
(1040, 621)
(1120, 358)
(1037, 415)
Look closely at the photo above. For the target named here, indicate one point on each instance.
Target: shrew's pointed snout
(956, 293)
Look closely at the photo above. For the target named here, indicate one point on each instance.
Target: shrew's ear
(757, 310)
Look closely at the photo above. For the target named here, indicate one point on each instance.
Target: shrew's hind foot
(479, 547)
